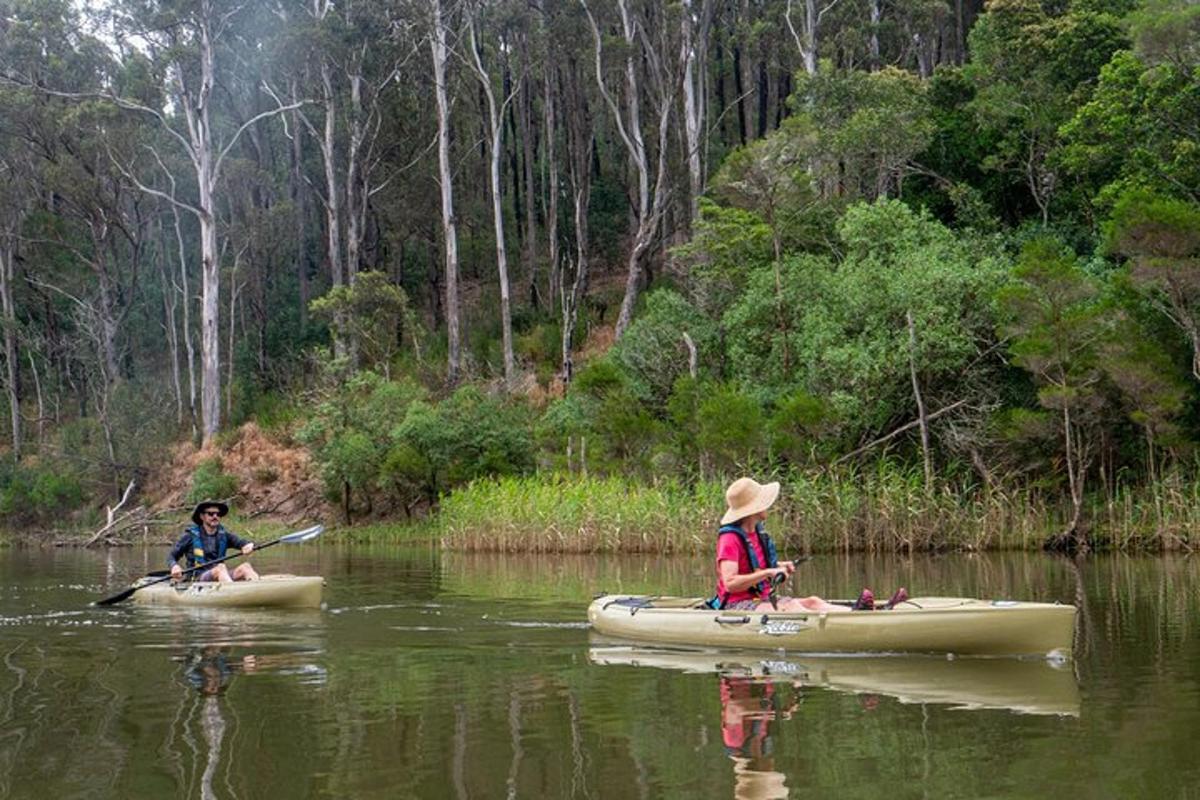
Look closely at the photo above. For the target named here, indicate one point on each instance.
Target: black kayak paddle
(291, 538)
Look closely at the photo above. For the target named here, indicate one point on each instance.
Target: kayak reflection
(749, 706)
(1026, 687)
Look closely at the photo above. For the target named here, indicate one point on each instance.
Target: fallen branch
(112, 510)
(900, 430)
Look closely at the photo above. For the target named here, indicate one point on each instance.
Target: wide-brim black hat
(221, 508)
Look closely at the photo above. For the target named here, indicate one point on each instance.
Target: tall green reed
(882, 509)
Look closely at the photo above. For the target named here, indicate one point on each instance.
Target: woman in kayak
(208, 540)
(747, 566)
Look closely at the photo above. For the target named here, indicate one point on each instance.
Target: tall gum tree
(495, 148)
(185, 38)
(649, 206)
(439, 35)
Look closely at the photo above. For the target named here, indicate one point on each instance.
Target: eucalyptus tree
(13, 210)
(361, 49)
(644, 38)
(695, 20)
(180, 43)
(439, 48)
(477, 15)
(80, 214)
(805, 27)
(580, 146)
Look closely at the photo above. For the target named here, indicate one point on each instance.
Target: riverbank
(881, 511)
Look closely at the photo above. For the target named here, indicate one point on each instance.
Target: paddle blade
(116, 598)
(305, 535)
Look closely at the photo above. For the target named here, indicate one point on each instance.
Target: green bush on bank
(210, 481)
(37, 494)
(387, 445)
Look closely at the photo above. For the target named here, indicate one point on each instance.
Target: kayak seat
(634, 604)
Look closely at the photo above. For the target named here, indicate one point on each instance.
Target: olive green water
(432, 675)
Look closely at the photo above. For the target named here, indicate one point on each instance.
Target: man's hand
(176, 571)
(247, 548)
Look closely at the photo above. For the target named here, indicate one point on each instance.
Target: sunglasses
(210, 513)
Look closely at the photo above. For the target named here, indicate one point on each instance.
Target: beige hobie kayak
(957, 625)
(276, 591)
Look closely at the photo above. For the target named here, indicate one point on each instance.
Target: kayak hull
(952, 625)
(269, 591)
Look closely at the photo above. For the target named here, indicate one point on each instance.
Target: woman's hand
(176, 571)
(788, 566)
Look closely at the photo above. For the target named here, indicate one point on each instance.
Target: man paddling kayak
(208, 540)
(747, 564)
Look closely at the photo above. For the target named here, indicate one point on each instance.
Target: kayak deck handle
(729, 620)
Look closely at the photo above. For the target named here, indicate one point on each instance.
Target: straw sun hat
(746, 496)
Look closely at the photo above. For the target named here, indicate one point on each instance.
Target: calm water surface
(432, 675)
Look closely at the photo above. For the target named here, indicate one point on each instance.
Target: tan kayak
(1028, 687)
(957, 625)
(277, 591)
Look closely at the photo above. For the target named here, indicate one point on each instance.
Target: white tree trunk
(873, 46)
(188, 347)
(647, 214)
(333, 203)
(693, 102)
(170, 303)
(552, 190)
(437, 44)
(204, 157)
(495, 143)
(9, 316)
(355, 196)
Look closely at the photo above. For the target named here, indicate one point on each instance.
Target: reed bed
(886, 509)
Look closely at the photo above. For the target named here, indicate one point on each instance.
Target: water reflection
(470, 676)
(1026, 687)
(209, 672)
(749, 707)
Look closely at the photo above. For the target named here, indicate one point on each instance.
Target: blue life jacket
(196, 557)
(763, 587)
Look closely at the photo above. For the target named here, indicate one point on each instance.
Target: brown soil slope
(274, 479)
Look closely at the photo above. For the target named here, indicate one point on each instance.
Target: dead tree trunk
(921, 417)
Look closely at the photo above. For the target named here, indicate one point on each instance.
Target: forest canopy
(440, 240)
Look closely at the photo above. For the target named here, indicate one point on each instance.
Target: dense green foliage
(846, 250)
(210, 481)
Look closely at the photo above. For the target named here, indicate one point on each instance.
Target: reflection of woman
(747, 709)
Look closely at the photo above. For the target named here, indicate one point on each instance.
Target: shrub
(653, 352)
(211, 482)
(37, 495)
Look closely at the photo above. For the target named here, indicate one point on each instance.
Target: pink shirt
(729, 548)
